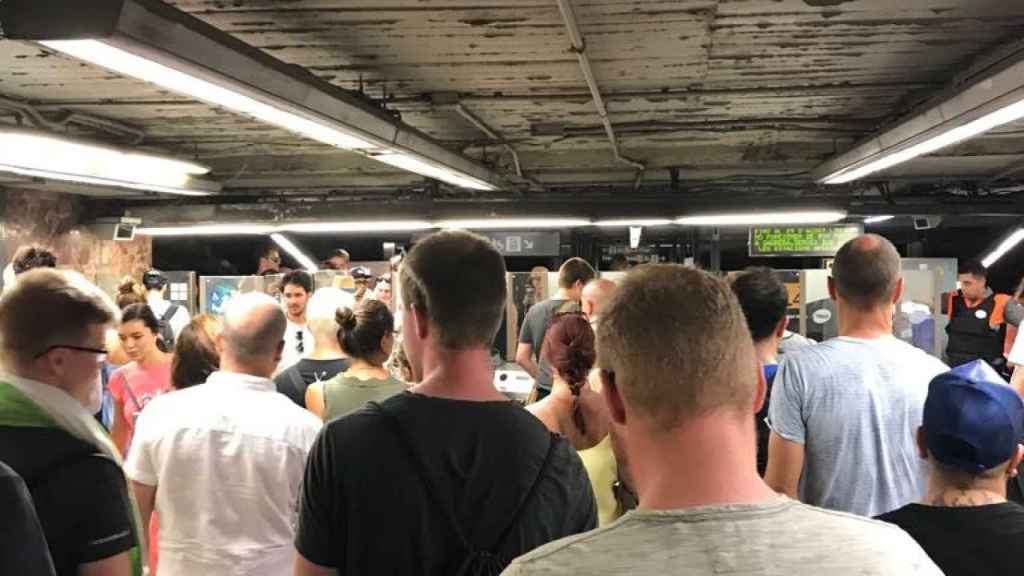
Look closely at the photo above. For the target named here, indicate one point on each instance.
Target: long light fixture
(514, 223)
(207, 230)
(764, 218)
(294, 251)
(878, 219)
(1005, 246)
(430, 170)
(43, 155)
(357, 226)
(160, 44)
(649, 222)
(989, 103)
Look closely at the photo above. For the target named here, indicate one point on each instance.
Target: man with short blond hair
(52, 338)
(457, 479)
(681, 378)
(843, 413)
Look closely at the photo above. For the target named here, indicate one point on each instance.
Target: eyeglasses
(97, 351)
(300, 346)
(624, 496)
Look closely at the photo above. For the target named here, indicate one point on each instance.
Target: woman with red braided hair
(573, 409)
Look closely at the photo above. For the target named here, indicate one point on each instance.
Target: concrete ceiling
(734, 94)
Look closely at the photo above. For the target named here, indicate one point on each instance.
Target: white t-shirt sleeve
(140, 465)
(179, 320)
(785, 412)
(1017, 352)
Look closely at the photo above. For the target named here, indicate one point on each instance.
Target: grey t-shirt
(855, 405)
(775, 537)
(535, 327)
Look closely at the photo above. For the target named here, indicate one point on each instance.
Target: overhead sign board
(525, 243)
(801, 241)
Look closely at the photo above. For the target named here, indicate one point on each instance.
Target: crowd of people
(669, 432)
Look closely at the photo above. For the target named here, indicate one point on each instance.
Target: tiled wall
(54, 220)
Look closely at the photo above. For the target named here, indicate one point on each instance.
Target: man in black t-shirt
(971, 436)
(52, 332)
(573, 276)
(23, 547)
(449, 475)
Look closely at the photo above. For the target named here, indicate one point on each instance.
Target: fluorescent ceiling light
(629, 223)
(513, 223)
(208, 230)
(128, 64)
(1006, 115)
(765, 218)
(42, 155)
(974, 109)
(293, 250)
(1010, 243)
(878, 219)
(434, 171)
(361, 226)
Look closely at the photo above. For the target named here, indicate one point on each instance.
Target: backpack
(166, 332)
(477, 561)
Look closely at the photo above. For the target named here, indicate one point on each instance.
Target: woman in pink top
(146, 377)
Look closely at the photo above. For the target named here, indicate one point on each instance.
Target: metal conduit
(579, 46)
(37, 119)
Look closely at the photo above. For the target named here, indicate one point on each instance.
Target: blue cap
(973, 420)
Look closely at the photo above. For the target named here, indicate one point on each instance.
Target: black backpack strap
(421, 471)
(434, 494)
(170, 312)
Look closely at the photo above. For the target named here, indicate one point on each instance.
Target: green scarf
(52, 407)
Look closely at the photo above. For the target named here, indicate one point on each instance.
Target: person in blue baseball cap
(971, 435)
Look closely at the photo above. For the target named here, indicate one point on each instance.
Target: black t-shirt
(294, 380)
(364, 509)
(80, 496)
(974, 541)
(23, 547)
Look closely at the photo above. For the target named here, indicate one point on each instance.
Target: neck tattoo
(959, 498)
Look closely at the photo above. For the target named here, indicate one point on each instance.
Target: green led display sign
(801, 241)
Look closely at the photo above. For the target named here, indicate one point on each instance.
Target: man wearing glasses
(52, 332)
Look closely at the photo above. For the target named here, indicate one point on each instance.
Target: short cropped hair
(49, 307)
(575, 270)
(866, 271)
(31, 257)
(974, 268)
(457, 279)
(677, 345)
(764, 300)
(299, 278)
(322, 310)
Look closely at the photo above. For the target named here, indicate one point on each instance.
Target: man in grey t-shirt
(574, 274)
(681, 379)
(844, 413)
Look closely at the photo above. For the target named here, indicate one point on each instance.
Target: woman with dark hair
(367, 336)
(572, 409)
(195, 353)
(147, 375)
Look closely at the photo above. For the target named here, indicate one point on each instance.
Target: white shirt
(1016, 356)
(292, 344)
(227, 458)
(160, 307)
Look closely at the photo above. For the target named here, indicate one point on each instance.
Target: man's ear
(833, 293)
(780, 330)
(922, 444)
(420, 322)
(613, 398)
(897, 294)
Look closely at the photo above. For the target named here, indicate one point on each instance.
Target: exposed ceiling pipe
(32, 114)
(483, 127)
(579, 46)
